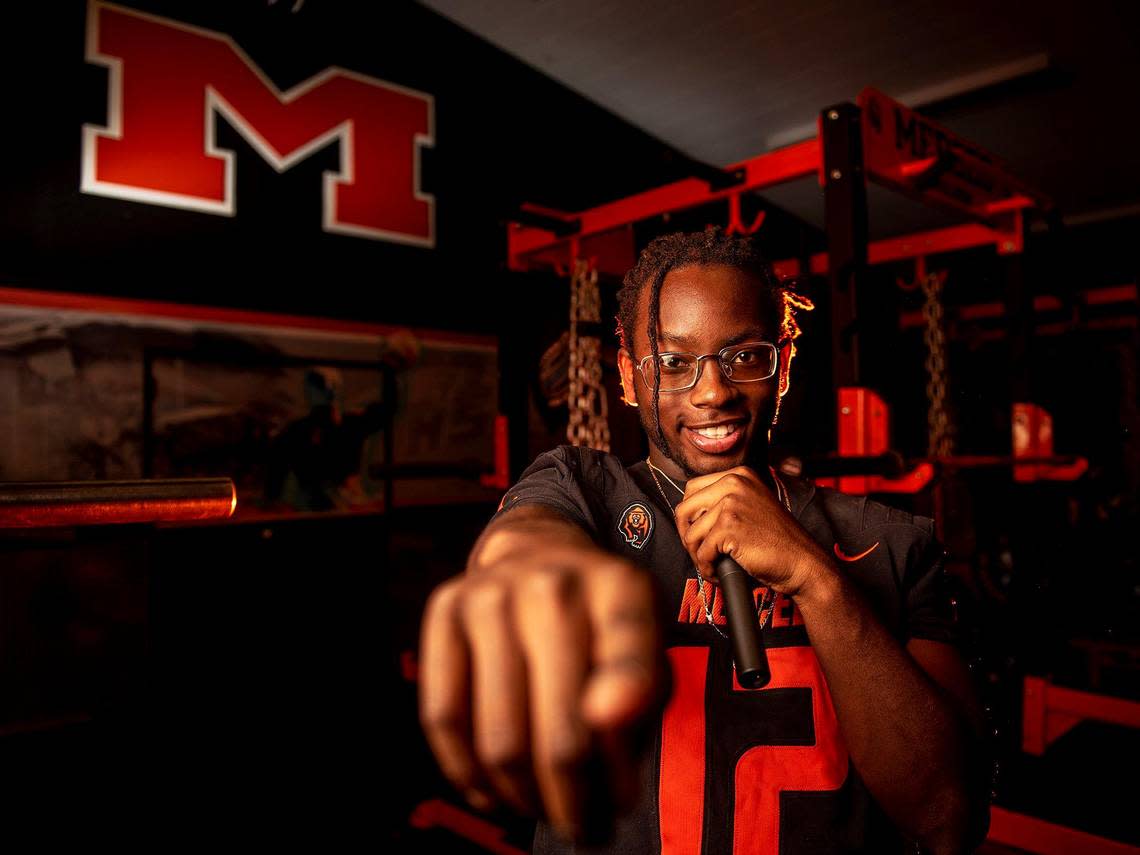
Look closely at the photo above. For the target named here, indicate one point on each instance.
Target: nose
(712, 386)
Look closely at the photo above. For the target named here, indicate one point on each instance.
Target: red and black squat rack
(880, 139)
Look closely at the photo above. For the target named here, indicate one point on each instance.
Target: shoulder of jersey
(594, 465)
(587, 455)
(860, 513)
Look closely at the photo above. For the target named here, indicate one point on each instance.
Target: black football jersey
(735, 770)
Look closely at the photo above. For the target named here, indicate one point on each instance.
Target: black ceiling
(1050, 87)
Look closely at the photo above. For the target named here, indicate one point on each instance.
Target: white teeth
(718, 432)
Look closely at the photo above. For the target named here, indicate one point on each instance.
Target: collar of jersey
(800, 490)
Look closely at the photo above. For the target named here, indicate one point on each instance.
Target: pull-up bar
(903, 150)
(767, 170)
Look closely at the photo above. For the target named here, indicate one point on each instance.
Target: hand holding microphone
(739, 533)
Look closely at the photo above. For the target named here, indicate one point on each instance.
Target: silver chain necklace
(768, 604)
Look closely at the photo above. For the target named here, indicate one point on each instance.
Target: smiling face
(704, 308)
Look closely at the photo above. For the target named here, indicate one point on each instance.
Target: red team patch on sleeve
(636, 525)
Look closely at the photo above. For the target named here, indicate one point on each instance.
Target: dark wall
(504, 134)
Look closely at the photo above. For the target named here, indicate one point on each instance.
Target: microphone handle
(743, 627)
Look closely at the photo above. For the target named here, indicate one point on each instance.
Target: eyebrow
(750, 334)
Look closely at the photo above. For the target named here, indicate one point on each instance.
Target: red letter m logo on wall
(168, 83)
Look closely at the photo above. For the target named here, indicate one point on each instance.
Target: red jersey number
(762, 772)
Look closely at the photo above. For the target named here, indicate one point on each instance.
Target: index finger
(553, 628)
(629, 673)
(625, 617)
(695, 485)
(701, 493)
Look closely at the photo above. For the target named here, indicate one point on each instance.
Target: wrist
(819, 581)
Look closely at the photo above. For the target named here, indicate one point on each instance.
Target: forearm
(904, 736)
(525, 530)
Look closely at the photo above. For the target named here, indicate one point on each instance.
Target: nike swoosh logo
(842, 557)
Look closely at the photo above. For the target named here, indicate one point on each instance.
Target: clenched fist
(539, 668)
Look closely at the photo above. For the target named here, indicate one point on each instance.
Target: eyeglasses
(749, 362)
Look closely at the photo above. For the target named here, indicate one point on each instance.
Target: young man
(588, 621)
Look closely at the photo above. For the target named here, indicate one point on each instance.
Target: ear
(626, 370)
(785, 368)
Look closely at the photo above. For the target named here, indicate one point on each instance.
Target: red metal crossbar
(436, 813)
(1047, 838)
(1050, 711)
(766, 170)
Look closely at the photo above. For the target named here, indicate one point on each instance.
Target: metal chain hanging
(588, 424)
(940, 439)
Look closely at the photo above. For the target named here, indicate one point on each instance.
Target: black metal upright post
(1019, 310)
(845, 216)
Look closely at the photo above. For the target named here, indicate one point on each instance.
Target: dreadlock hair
(711, 246)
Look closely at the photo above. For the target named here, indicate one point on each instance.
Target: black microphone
(743, 627)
